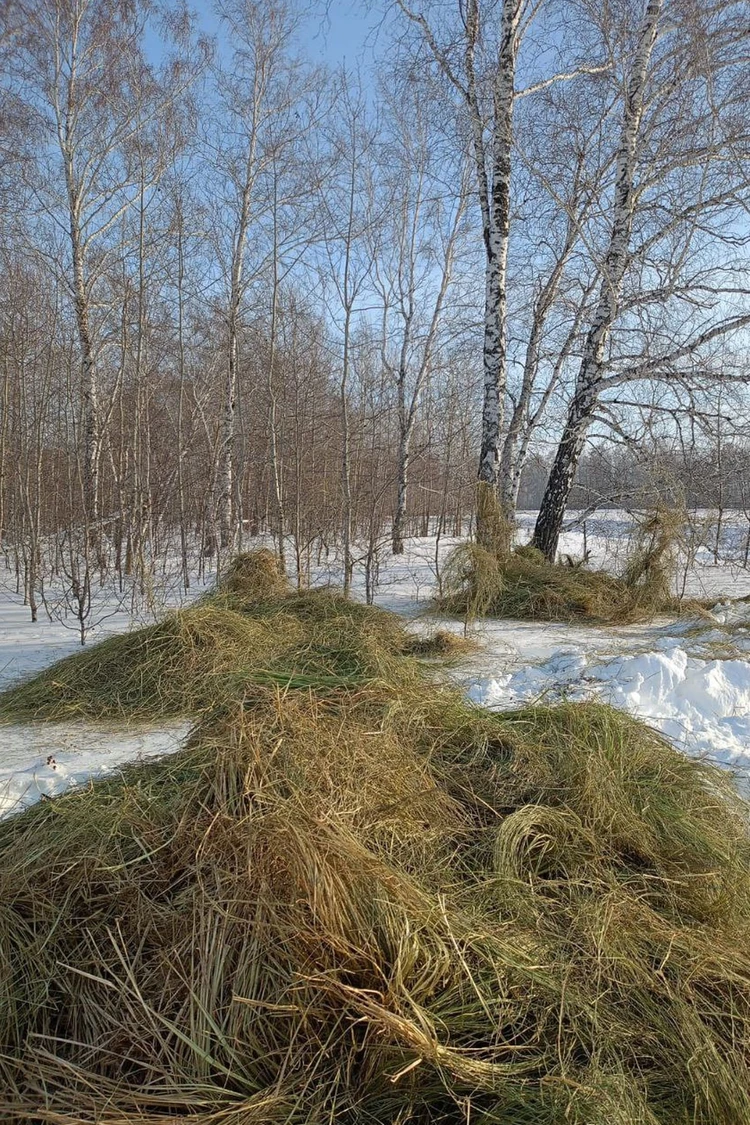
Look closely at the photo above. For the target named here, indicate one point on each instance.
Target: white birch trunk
(494, 193)
(225, 473)
(276, 469)
(89, 384)
(404, 456)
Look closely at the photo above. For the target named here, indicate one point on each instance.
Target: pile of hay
(255, 576)
(494, 528)
(180, 665)
(652, 564)
(441, 644)
(525, 585)
(194, 659)
(378, 904)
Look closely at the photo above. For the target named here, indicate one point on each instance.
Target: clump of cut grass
(328, 610)
(525, 585)
(382, 906)
(196, 658)
(494, 529)
(180, 665)
(471, 581)
(651, 567)
(441, 643)
(255, 576)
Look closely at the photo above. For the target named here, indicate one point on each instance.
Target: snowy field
(689, 678)
(41, 759)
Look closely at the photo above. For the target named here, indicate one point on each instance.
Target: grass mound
(369, 906)
(479, 580)
(255, 576)
(355, 898)
(178, 666)
(198, 657)
(525, 585)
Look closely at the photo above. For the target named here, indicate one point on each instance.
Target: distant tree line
(243, 292)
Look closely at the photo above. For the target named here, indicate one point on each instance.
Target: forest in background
(244, 292)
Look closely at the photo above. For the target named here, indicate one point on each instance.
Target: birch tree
(486, 95)
(291, 191)
(677, 187)
(559, 173)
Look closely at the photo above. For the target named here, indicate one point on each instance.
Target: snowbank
(703, 706)
(44, 759)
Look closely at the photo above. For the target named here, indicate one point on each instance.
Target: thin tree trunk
(399, 517)
(346, 481)
(89, 385)
(273, 418)
(89, 380)
(225, 475)
(346, 477)
(407, 411)
(586, 396)
(3, 447)
(181, 401)
(514, 447)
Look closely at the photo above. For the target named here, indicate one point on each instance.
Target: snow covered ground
(40, 759)
(689, 678)
(665, 676)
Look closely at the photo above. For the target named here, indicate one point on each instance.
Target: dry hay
(441, 644)
(181, 665)
(255, 576)
(195, 658)
(525, 585)
(355, 898)
(653, 559)
(382, 906)
(471, 581)
(494, 528)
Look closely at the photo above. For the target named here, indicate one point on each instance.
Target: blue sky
(344, 34)
(340, 31)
